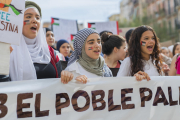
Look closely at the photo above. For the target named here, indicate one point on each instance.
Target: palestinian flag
(91, 25)
(72, 37)
(143, 43)
(14, 9)
(117, 25)
(55, 21)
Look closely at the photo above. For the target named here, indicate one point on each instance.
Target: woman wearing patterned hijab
(86, 62)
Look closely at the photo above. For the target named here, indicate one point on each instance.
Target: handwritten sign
(11, 20)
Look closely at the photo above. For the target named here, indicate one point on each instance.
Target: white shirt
(76, 69)
(125, 68)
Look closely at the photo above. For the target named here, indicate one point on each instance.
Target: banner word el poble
(102, 98)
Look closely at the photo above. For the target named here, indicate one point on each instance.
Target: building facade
(162, 15)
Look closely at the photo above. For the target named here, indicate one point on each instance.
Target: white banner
(101, 99)
(11, 20)
(64, 29)
(101, 26)
(4, 58)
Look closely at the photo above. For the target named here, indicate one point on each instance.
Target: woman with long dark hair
(114, 47)
(143, 54)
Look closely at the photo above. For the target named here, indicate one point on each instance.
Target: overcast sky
(81, 10)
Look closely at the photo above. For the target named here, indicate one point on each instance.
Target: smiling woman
(143, 54)
(86, 62)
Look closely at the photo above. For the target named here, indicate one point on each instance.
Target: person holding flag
(33, 58)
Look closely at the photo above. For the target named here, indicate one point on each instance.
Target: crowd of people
(92, 55)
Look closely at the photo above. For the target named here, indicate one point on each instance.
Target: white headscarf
(28, 52)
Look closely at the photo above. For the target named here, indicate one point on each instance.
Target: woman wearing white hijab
(86, 62)
(33, 58)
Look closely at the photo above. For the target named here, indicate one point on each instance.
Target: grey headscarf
(89, 64)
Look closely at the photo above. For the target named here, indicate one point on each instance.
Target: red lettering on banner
(59, 104)
(94, 100)
(171, 102)
(111, 106)
(21, 105)
(37, 107)
(125, 99)
(76, 96)
(160, 100)
(143, 97)
(3, 108)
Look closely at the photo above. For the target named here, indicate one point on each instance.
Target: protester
(114, 47)
(33, 59)
(143, 55)
(71, 46)
(86, 62)
(171, 51)
(101, 33)
(63, 47)
(164, 55)
(174, 63)
(176, 53)
(176, 48)
(128, 35)
(51, 41)
(71, 50)
(178, 66)
(165, 51)
(50, 37)
(70, 53)
(105, 31)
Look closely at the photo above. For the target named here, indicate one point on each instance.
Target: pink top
(178, 65)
